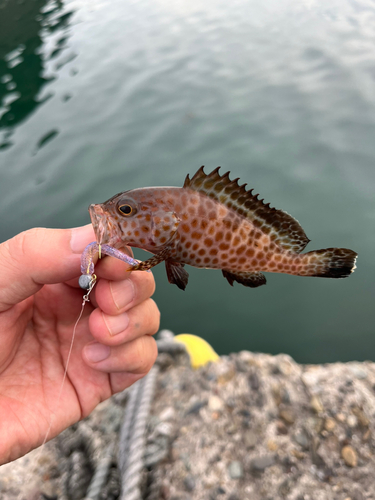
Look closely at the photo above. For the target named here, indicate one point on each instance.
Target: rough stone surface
(251, 426)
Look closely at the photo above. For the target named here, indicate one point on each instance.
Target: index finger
(113, 269)
(115, 297)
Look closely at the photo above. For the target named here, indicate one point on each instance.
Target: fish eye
(127, 209)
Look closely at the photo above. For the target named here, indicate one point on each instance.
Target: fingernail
(116, 324)
(123, 292)
(97, 352)
(81, 237)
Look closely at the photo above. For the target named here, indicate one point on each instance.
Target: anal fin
(176, 274)
(252, 280)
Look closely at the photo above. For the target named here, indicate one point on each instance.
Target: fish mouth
(106, 232)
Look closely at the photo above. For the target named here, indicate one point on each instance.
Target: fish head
(140, 218)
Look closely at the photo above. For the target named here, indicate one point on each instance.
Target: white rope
(131, 457)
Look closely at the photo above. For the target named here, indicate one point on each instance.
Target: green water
(102, 96)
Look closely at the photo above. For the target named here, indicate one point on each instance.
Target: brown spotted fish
(213, 222)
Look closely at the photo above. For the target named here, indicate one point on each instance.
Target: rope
(133, 432)
(128, 421)
(98, 480)
(131, 457)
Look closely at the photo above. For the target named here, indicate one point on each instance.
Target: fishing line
(85, 299)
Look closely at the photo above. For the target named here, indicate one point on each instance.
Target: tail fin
(330, 262)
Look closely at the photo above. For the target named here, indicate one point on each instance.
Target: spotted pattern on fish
(213, 222)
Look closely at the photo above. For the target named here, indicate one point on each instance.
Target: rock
(189, 483)
(231, 428)
(259, 464)
(302, 438)
(164, 429)
(350, 456)
(241, 366)
(225, 375)
(166, 334)
(165, 360)
(235, 470)
(209, 482)
(215, 492)
(358, 495)
(168, 413)
(285, 396)
(244, 413)
(359, 372)
(298, 454)
(362, 419)
(254, 381)
(281, 428)
(231, 403)
(316, 457)
(186, 461)
(324, 474)
(316, 404)
(329, 424)
(196, 407)
(285, 487)
(233, 496)
(215, 403)
(151, 449)
(250, 439)
(352, 421)
(275, 369)
(367, 435)
(272, 445)
(288, 416)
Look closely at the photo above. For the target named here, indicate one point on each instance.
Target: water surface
(102, 96)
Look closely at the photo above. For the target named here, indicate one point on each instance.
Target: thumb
(39, 256)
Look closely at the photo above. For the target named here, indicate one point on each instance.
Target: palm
(33, 377)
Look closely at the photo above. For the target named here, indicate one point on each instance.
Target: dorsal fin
(283, 229)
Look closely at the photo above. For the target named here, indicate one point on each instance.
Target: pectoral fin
(251, 280)
(176, 274)
(152, 261)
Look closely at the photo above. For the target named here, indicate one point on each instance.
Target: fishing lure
(211, 222)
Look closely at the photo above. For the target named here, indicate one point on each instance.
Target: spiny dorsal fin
(283, 229)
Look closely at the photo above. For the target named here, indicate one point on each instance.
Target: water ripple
(113, 95)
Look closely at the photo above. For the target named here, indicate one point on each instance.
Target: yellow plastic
(199, 350)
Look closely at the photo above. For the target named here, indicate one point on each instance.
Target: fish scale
(213, 222)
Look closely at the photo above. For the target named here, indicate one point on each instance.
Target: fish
(213, 222)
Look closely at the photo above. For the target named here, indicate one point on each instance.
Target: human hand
(39, 304)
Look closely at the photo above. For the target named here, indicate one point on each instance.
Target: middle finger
(116, 297)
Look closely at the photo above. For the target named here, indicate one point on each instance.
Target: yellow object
(199, 350)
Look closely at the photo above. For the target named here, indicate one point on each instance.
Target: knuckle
(145, 283)
(147, 353)
(155, 317)
(152, 284)
(23, 244)
(98, 325)
(153, 353)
